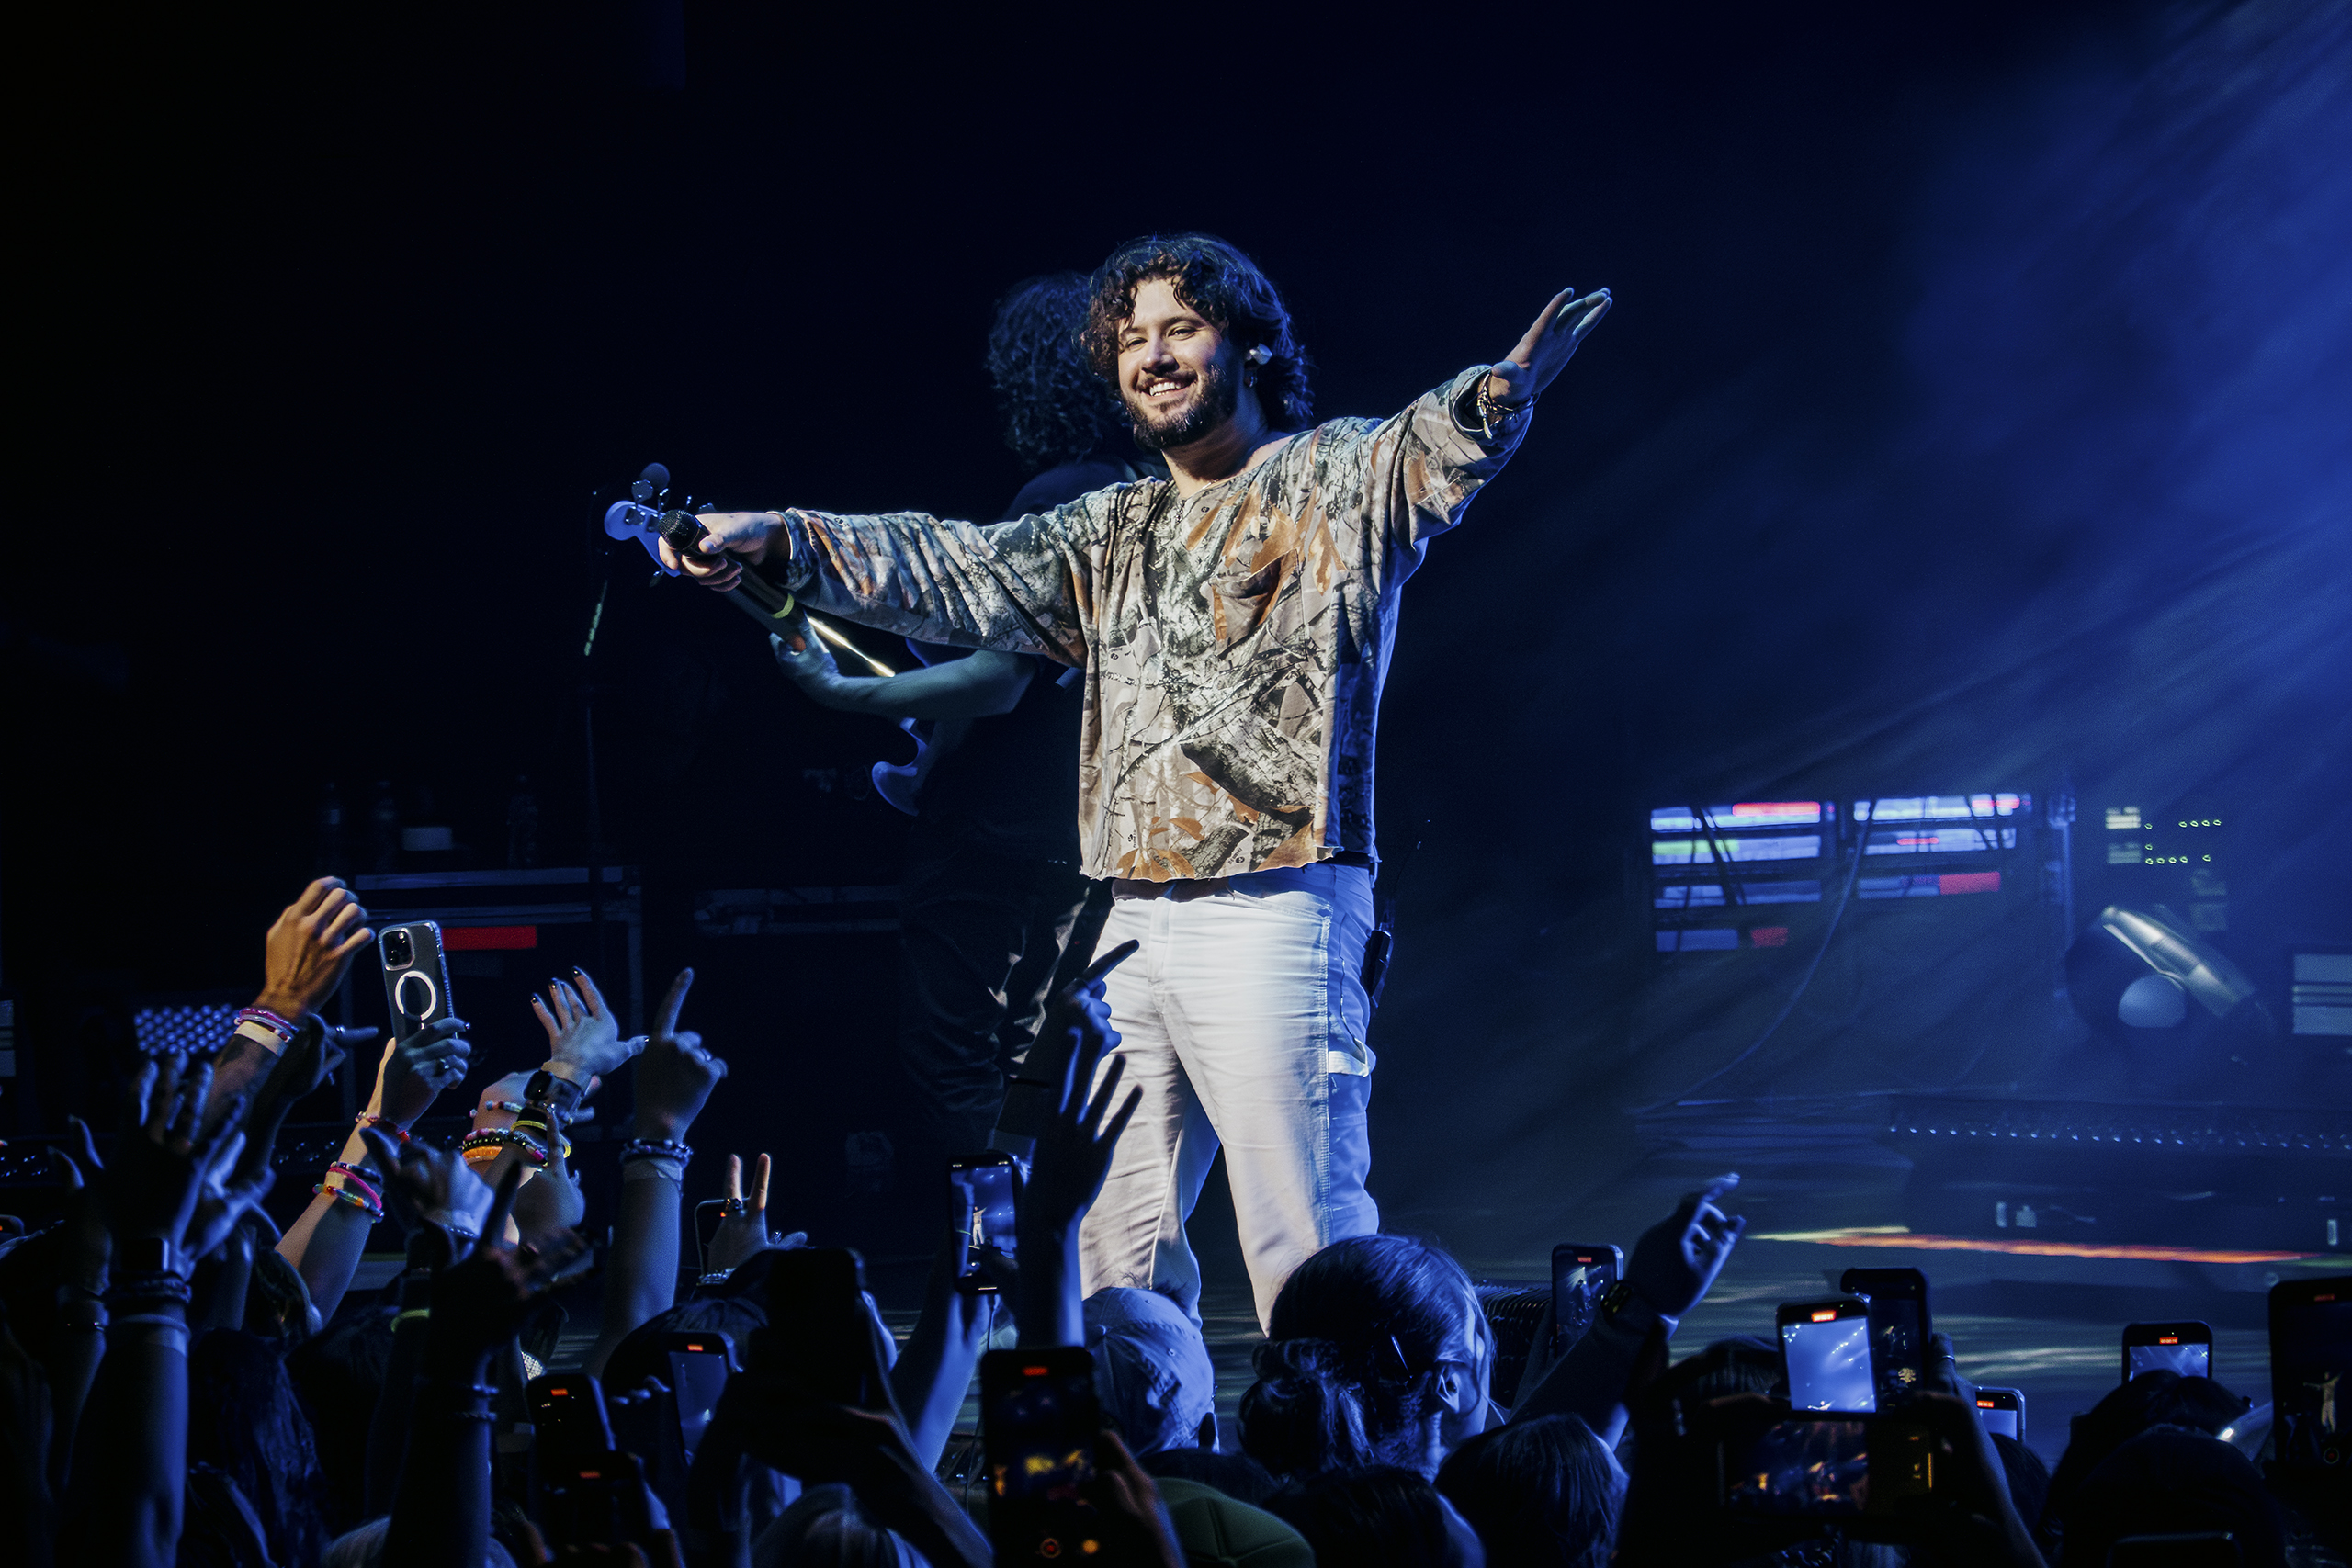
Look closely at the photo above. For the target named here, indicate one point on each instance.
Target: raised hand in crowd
(167, 1200)
(1673, 1264)
(584, 1035)
(934, 1367)
(1073, 1156)
(1677, 1258)
(325, 1242)
(674, 1077)
(305, 956)
(442, 1514)
(427, 1188)
(743, 1219)
(1968, 1469)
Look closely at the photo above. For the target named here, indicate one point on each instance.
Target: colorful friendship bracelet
(482, 1147)
(357, 1176)
(280, 1026)
(345, 1195)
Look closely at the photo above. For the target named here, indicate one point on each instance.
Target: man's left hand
(810, 669)
(1548, 346)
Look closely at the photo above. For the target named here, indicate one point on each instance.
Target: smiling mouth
(1160, 387)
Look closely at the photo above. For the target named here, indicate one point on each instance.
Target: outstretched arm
(1022, 586)
(674, 1077)
(980, 686)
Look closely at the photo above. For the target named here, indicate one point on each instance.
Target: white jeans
(1242, 1020)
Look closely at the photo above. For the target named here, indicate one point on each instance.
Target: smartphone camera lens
(400, 952)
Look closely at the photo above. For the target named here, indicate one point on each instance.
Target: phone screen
(699, 1365)
(1038, 1422)
(568, 1413)
(2169, 1355)
(819, 1333)
(2311, 1350)
(1581, 1275)
(1800, 1467)
(1828, 1358)
(2000, 1418)
(988, 1221)
(1898, 1299)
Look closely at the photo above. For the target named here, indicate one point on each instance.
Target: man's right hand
(725, 535)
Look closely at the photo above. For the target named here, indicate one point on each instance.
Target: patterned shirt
(1234, 642)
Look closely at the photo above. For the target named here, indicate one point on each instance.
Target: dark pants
(980, 935)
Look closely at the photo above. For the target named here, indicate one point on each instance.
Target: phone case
(421, 982)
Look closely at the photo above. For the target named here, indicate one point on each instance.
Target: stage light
(2133, 976)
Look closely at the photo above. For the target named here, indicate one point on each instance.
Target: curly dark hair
(1222, 283)
(1054, 406)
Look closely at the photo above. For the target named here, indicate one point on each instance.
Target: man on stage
(1233, 625)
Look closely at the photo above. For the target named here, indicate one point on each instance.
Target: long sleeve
(1023, 586)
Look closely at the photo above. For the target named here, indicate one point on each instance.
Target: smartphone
(1038, 1425)
(2311, 1350)
(1581, 1274)
(1802, 1467)
(820, 1332)
(1898, 1299)
(2185, 1347)
(2002, 1411)
(568, 1423)
(1826, 1351)
(1809, 1467)
(701, 1361)
(985, 1183)
(416, 977)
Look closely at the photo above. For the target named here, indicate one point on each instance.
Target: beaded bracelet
(276, 1025)
(345, 1195)
(511, 1107)
(383, 1124)
(355, 1175)
(656, 1149)
(481, 1148)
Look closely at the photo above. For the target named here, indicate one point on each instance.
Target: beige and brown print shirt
(1233, 643)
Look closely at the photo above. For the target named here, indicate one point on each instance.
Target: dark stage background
(1973, 416)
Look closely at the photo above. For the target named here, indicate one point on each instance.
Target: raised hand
(674, 1074)
(168, 1171)
(312, 943)
(481, 1302)
(582, 1031)
(426, 1186)
(1075, 1145)
(415, 1070)
(744, 1224)
(1559, 331)
(1680, 1256)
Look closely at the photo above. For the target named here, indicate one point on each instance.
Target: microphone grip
(772, 606)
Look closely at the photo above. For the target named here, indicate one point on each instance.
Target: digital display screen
(1736, 847)
(2311, 1345)
(1829, 1363)
(1742, 818)
(700, 1377)
(1580, 1276)
(988, 1221)
(2000, 1422)
(1041, 1437)
(2190, 1360)
(1941, 807)
(1802, 1467)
